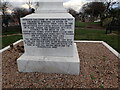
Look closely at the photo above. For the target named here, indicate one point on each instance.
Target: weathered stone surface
(48, 38)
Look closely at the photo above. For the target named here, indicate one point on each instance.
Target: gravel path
(98, 69)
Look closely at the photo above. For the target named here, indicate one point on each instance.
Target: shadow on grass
(11, 30)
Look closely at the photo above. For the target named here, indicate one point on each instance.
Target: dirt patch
(98, 69)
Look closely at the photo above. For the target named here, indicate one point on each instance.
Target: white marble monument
(48, 37)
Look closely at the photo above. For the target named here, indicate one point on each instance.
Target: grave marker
(48, 37)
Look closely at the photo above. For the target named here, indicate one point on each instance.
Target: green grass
(9, 40)
(11, 30)
(84, 24)
(98, 35)
(80, 24)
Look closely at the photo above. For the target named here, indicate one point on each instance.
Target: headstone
(48, 37)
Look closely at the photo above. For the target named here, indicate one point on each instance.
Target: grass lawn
(84, 24)
(98, 35)
(11, 30)
(10, 39)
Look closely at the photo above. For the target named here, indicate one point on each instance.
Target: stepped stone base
(50, 64)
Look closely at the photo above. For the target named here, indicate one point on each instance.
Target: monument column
(48, 37)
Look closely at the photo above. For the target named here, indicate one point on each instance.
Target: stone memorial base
(50, 64)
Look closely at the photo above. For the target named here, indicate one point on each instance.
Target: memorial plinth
(48, 37)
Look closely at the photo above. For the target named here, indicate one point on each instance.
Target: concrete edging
(2, 50)
(104, 43)
(111, 49)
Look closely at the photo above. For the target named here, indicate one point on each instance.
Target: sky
(75, 4)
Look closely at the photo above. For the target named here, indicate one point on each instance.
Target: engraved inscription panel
(48, 33)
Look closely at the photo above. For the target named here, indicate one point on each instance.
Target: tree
(30, 4)
(94, 9)
(114, 13)
(0, 8)
(19, 13)
(5, 16)
(4, 7)
(73, 13)
(109, 4)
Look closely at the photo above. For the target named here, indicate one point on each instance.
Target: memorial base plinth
(50, 64)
